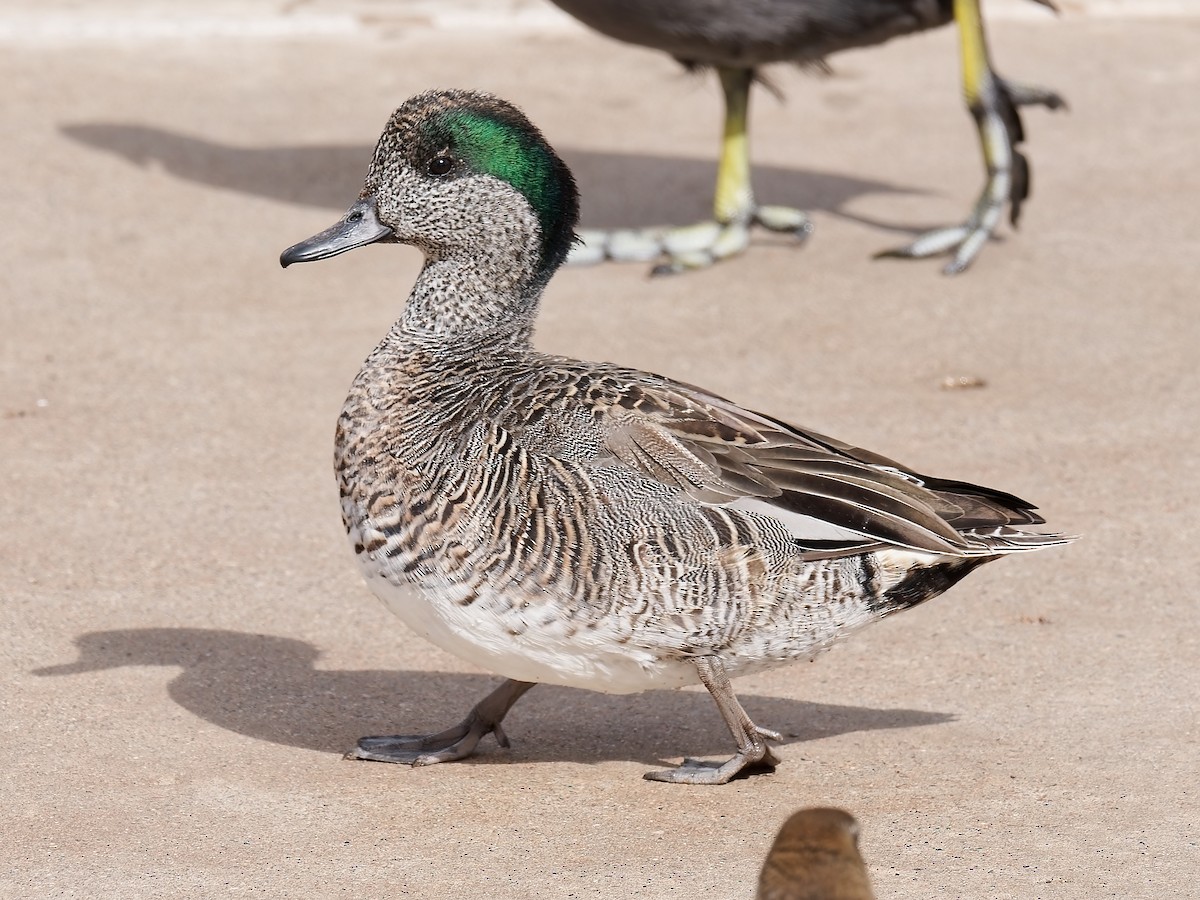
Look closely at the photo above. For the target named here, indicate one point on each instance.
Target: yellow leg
(993, 104)
(973, 51)
(683, 248)
(734, 199)
(982, 90)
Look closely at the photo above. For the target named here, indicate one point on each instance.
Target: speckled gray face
(459, 173)
(437, 164)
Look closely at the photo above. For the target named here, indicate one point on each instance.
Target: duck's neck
(464, 299)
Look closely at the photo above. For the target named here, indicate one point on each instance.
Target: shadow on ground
(652, 189)
(267, 688)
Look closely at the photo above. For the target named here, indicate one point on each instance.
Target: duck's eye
(440, 165)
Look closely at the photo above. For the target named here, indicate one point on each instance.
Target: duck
(556, 521)
(737, 38)
(815, 856)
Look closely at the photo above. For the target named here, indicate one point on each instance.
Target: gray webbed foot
(758, 759)
(454, 743)
(753, 755)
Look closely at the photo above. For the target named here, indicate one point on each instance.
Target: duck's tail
(990, 522)
(910, 577)
(1003, 539)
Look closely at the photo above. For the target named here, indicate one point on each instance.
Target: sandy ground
(186, 647)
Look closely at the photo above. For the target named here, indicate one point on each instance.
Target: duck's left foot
(686, 247)
(454, 743)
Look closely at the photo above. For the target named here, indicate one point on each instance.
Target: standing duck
(737, 38)
(588, 524)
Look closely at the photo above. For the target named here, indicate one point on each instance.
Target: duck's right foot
(454, 743)
(753, 755)
(685, 247)
(753, 760)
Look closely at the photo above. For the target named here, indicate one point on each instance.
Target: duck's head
(461, 175)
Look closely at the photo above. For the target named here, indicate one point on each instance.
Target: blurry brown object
(815, 857)
(962, 382)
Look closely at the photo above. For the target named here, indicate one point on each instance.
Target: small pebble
(962, 382)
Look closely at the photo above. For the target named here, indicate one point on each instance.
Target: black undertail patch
(926, 582)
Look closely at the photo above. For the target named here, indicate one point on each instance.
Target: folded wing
(833, 498)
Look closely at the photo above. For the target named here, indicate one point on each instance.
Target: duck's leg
(734, 209)
(453, 743)
(993, 104)
(753, 754)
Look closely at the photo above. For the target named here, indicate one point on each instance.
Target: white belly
(545, 651)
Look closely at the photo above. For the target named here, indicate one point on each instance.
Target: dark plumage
(738, 37)
(750, 33)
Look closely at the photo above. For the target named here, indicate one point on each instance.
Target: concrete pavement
(186, 646)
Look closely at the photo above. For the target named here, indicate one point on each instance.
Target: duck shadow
(618, 189)
(267, 688)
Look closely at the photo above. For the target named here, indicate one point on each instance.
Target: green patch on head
(504, 144)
